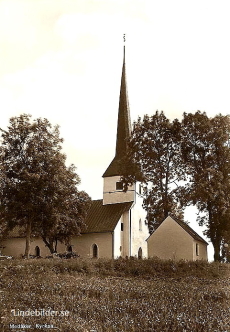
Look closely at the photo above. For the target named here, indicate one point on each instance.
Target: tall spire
(123, 125)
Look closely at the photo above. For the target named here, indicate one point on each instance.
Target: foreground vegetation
(120, 295)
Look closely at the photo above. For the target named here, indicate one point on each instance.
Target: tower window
(140, 225)
(197, 249)
(119, 186)
(122, 226)
(69, 248)
(140, 191)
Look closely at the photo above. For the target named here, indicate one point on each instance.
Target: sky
(62, 60)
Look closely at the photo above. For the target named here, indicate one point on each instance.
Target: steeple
(123, 123)
(123, 126)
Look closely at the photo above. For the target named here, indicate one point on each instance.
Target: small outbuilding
(174, 239)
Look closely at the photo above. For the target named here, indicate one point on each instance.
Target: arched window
(140, 253)
(37, 251)
(95, 251)
(69, 248)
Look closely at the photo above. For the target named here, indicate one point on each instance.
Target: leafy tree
(3, 222)
(206, 155)
(38, 192)
(63, 210)
(225, 245)
(153, 158)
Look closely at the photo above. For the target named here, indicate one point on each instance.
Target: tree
(225, 245)
(153, 158)
(38, 192)
(3, 222)
(63, 210)
(206, 155)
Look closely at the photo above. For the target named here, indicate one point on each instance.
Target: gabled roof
(186, 227)
(190, 231)
(123, 126)
(113, 169)
(100, 218)
(104, 218)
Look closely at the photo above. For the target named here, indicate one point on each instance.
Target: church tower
(113, 189)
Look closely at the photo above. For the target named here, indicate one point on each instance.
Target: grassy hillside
(121, 295)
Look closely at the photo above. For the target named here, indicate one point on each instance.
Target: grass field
(121, 295)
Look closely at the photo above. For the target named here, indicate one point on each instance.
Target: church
(115, 224)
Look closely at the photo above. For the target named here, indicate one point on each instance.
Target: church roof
(113, 168)
(190, 231)
(100, 218)
(123, 126)
(104, 218)
(186, 227)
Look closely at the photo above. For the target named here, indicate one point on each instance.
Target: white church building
(116, 224)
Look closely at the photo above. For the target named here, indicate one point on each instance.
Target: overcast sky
(62, 60)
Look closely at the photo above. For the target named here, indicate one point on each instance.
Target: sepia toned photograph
(114, 166)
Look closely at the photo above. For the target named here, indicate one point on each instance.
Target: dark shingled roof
(104, 218)
(190, 231)
(113, 169)
(100, 218)
(123, 126)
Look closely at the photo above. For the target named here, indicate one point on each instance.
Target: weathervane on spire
(124, 37)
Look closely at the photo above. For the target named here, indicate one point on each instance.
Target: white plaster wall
(82, 245)
(128, 241)
(111, 195)
(122, 238)
(16, 247)
(203, 254)
(118, 238)
(126, 234)
(171, 241)
(138, 236)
